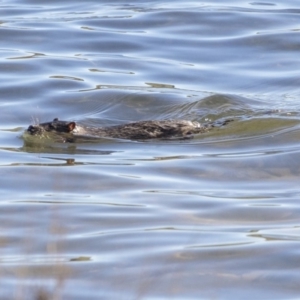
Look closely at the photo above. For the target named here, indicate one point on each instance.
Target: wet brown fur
(140, 130)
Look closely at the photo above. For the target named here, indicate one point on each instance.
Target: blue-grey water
(212, 217)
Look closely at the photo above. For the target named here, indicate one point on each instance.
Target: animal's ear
(71, 126)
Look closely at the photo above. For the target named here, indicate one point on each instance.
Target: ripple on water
(216, 215)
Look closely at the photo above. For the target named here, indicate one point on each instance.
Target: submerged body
(133, 131)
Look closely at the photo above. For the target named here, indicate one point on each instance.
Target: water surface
(213, 217)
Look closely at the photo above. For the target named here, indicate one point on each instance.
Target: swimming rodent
(140, 130)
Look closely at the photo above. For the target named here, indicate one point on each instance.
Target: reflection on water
(215, 216)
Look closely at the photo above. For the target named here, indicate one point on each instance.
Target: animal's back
(153, 129)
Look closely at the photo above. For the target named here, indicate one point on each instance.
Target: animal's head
(54, 126)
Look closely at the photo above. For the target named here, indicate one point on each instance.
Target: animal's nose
(32, 129)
